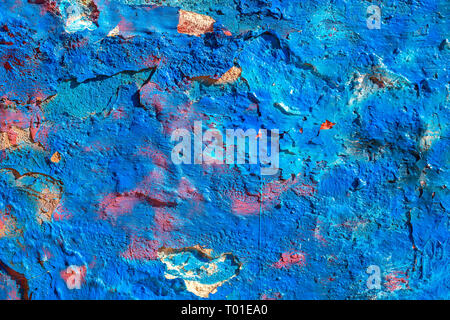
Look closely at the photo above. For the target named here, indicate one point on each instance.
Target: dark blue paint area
(93, 207)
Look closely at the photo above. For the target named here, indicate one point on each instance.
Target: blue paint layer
(92, 207)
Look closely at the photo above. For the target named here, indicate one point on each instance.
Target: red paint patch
(397, 280)
(7, 66)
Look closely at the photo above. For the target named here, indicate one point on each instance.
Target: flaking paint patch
(195, 24)
(202, 274)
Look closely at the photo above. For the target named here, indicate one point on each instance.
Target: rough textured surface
(91, 206)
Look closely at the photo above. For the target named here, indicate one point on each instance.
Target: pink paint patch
(186, 190)
(74, 276)
(10, 286)
(142, 249)
(10, 117)
(252, 107)
(352, 225)
(96, 146)
(118, 113)
(151, 189)
(41, 135)
(158, 158)
(173, 109)
(153, 95)
(115, 205)
(151, 61)
(243, 204)
(125, 27)
(273, 190)
(61, 213)
(304, 190)
(150, 182)
(271, 296)
(317, 232)
(163, 221)
(289, 259)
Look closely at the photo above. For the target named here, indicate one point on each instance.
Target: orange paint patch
(43, 189)
(8, 224)
(56, 157)
(327, 125)
(14, 137)
(230, 76)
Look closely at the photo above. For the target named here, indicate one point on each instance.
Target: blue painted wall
(92, 207)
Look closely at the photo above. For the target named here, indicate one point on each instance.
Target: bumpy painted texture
(92, 207)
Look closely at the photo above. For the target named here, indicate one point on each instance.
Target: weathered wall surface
(92, 206)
